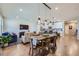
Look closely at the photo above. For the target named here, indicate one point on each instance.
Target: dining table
(41, 38)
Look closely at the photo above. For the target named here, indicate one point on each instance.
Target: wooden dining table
(41, 38)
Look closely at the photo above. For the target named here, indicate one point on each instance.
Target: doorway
(70, 28)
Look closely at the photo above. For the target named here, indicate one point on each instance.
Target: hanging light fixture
(39, 19)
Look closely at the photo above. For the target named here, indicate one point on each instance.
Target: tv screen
(24, 27)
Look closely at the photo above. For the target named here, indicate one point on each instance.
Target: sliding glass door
(1, 25)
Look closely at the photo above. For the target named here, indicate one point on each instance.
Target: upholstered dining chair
(25, 38)
(52, 44)
(33, 44)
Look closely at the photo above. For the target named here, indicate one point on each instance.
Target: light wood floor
(66, 46)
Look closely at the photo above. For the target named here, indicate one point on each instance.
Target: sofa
(14, 36)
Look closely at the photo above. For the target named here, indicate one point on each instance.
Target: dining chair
(52, 44)
(33, 46)
(37, 48)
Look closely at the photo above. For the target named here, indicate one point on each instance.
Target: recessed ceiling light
(17, 17)
(39, 16)
(20, 10)
(56, 8)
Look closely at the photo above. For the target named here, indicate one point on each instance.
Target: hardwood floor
(66, 46)
(0, 51)
(16, 50)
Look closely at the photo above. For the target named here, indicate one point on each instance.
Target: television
(24, 27)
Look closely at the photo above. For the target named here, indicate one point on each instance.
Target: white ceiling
(12, 10)
(67, 11)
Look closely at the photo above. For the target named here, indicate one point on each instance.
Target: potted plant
(4, 40)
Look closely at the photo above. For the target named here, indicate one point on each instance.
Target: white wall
(31, 12)
(29, 16)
